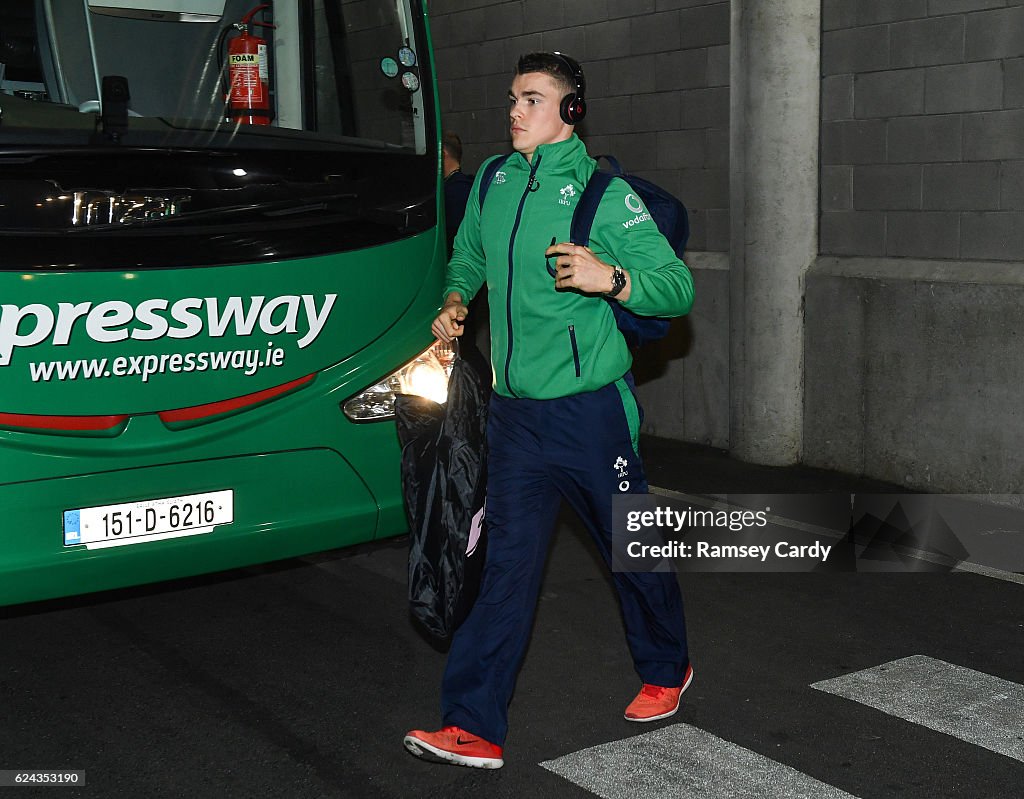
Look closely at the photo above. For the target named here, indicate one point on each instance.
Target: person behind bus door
(457, 185)
(563, 416)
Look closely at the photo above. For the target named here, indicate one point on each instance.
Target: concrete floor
(299, 679)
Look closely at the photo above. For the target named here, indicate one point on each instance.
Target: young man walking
(563, 417)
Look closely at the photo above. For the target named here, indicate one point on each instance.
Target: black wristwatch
(618, 282)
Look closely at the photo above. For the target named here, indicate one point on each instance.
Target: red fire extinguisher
(249, 74)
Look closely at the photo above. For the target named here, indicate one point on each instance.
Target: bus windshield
(164, 119)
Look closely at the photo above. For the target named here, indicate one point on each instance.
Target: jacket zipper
(575, 349)
(511, 246)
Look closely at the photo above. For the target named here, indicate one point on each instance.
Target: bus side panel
(285, 504)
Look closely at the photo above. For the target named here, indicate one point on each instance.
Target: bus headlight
(426, 375)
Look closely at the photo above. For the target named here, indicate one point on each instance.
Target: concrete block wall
(657, 86)
(916, 380)
(912, 354)
(922, 136)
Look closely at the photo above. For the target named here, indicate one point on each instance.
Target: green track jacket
(547, 343)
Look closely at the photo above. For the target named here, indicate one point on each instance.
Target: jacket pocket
(575, 348)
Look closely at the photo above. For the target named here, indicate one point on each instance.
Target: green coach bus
(219, 260)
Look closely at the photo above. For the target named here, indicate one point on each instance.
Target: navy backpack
(669, 215)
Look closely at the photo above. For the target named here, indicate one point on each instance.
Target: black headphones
(574, 106)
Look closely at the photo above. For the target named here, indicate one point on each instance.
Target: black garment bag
(444, 481)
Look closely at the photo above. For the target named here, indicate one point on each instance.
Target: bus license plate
(148, 520)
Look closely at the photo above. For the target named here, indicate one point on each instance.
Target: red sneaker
(655, 702)
(454, 745)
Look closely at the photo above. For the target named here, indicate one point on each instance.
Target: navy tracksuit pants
(581, 448)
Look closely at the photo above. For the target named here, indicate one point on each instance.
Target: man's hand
(578, 268)
(449, 321)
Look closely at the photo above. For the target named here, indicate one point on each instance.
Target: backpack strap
(586, 208)
(488, 173)
(613, 162)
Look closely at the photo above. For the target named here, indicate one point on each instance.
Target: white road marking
(683, 761)
(988, 571)
(970, 705)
